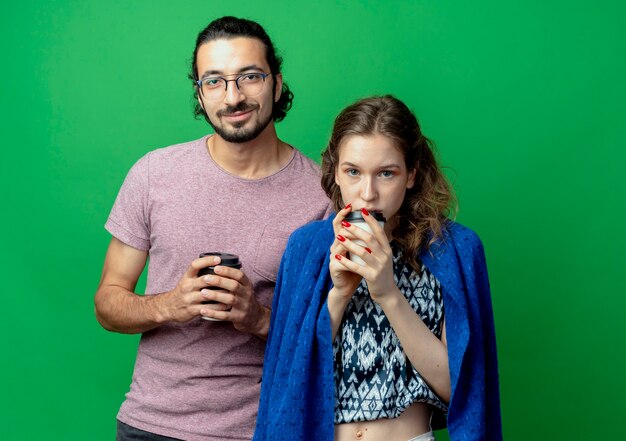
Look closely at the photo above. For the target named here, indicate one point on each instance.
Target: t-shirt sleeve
(128, 220)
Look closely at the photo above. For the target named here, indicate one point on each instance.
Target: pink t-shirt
(201, 380)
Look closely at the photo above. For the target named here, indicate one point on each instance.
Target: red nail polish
(345, 223)
(347, 207)
(365, 212)
(337, 256)
(341, 238)
(368, 250)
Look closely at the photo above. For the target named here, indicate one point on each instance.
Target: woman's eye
(352, 172)
(386, 174)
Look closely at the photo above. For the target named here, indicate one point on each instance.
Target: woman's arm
(425, 351)
(337, 305)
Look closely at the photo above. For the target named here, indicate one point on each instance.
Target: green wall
(527, 104)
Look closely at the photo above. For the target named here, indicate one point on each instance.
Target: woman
(391, 347)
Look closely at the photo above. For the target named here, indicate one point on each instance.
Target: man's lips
(236, 112)
(237, 116)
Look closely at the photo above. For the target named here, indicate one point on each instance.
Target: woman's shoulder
(461, 235)
(456, 242)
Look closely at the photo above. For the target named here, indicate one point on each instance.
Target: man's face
(236, 117)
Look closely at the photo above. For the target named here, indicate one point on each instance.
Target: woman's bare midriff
(411, 423)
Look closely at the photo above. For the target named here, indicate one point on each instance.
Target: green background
(526, 101)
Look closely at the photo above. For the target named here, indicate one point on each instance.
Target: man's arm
(119, 309)
(117, 306)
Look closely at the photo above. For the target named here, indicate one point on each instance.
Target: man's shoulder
(168, 158)
(301, 180)
(176, 151)
(305, 165)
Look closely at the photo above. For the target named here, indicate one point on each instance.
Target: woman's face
(371, 173)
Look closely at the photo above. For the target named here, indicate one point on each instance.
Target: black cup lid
(355, 216)
(227, 259)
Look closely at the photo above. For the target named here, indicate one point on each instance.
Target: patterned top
(373, 377)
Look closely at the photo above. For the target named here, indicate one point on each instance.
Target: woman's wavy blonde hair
(429, 203)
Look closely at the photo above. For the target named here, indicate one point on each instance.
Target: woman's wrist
(337, 299)
(337, 304)
(390, 300)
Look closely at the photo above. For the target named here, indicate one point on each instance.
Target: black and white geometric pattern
(373, 377)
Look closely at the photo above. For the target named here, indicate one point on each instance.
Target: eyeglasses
(249, 84)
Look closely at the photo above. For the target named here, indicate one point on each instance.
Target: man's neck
(263, 156)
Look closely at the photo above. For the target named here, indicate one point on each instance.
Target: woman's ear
(411, 178)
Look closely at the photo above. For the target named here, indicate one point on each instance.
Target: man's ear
(278, 86)
(201, 104)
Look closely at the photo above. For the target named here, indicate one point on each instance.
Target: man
(240, 191)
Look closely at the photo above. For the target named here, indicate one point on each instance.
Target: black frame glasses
(225, 80)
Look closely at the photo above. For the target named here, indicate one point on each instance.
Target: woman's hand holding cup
(370, 255)
(345, 281)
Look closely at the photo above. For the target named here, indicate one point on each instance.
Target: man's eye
(212, 82)
(251, 77)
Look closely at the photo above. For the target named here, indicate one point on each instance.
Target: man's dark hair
(233, 27)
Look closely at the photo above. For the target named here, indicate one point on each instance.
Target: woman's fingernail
(341, 238)
(365, 212)
(345, 223)
(368, 250)
(208, 278)
(347, 207)
(337, 256)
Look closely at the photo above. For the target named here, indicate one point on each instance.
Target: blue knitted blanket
(297, 389)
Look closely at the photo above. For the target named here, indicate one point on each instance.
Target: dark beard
(239, 135)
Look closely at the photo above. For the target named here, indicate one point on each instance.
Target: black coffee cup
(230, 260)
(357, 216)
